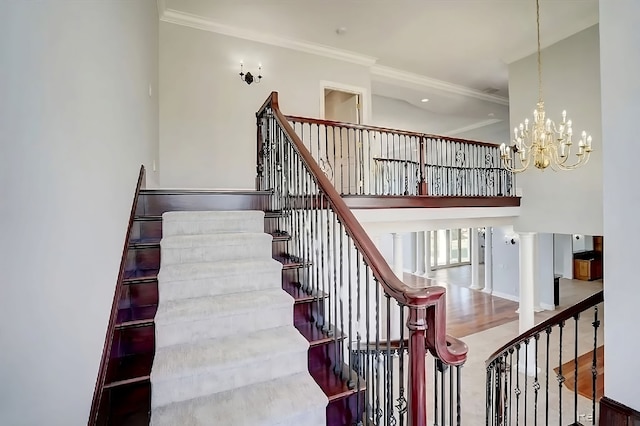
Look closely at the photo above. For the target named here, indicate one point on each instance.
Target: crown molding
(517, 55)
(206, 24)
(395, 74)
(473, 126)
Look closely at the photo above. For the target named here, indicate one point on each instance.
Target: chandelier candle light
(543, 141)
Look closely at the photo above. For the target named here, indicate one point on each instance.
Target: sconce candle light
(248, 77)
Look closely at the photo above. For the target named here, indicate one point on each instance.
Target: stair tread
(217, 240)
(139, 276)
(226, 268)
(128, 369)
(333, 386)
(299, 295)
(315, 336)
(280, 236)
(207, 355)
(249, 405)
(290, 262)
(144, 242)
(136, 316)
(220, 305)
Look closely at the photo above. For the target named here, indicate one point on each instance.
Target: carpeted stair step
(290, 400)
(188, 320)
(204, 222)
(215, 247)
(187, 371)
(189, 280)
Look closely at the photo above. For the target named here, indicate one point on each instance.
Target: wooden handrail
(410, 296)
(108, 340)
(560, 317)
(384, 130)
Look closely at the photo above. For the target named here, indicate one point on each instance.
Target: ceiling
(464, 44)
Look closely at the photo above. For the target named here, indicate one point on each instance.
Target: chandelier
(542, 142)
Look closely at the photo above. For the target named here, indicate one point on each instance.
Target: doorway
(345, 151)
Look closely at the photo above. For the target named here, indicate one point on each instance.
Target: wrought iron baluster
(536, 384)
(517, 391)
(560, 377)
(594, 364)
(575, 372)
(546, 385)
(402, 402)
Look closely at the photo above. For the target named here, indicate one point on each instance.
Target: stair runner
(227, 352)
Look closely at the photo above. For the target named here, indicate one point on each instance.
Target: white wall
(76, 122)
(568, 202)
(207, 114)
(620, 62)
(563, 255)
(506, 265)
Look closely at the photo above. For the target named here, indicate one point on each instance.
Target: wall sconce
(248, 77)
(511, 238)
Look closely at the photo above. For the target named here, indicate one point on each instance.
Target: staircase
(171, 316)
(226, 348)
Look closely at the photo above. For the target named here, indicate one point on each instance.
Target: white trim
(383, 72)
(202, 23)
(362, 91)
(473, 126)
(547, 307)
(388, 73)
(501, 295)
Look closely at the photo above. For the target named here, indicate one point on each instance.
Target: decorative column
(427, 254)
(398, 260)
(488, 260)
(420, 259)
(526, 318)
(475, 260)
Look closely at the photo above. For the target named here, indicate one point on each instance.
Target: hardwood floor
(472, 311)
(469, 311)
(585, 384)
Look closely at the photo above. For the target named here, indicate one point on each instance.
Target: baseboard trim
(613, 413)
(501, 295)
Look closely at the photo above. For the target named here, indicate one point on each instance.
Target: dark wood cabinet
(587, 265)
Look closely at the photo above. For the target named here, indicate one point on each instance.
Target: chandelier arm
(509, 164)
(582, 160)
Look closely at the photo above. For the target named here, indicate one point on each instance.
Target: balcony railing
(367, 160)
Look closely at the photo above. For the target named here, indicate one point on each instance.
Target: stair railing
(370, 160)
(544, 376)
(381, 328)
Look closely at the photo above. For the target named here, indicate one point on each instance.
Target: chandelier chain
(539, 52)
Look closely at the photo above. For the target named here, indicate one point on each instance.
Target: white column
(420, 260)
(526, 318)
(488, 260)
(527, 280)
(475, 260)
(427, 254)
(398, 260)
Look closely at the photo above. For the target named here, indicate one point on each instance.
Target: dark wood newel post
(422, 161)
(417, 324)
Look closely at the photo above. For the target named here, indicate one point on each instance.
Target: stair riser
(202, 383)
(324, 356)
(343, 411)
(307, 312)
(147, 259)
(158, 203)
(175, 290)
(143, 294)
(211, 227)
(218, 253)
(134, 340)
(192, 331)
